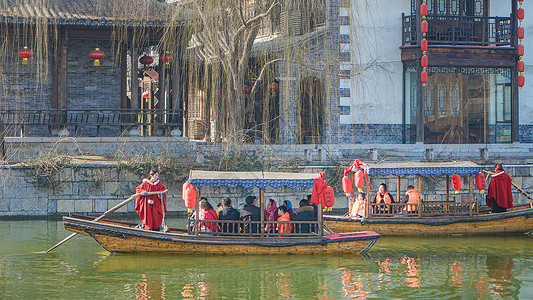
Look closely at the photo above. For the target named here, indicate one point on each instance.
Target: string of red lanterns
(424, 61)
(520, 33)
(167, 59)
(25, 54)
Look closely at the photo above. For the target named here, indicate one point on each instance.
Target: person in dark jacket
(250, 212)
(305, 213)
(228, 213)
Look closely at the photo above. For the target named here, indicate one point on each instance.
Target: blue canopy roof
(424, 168)
(247, 180)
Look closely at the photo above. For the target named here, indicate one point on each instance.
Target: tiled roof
(133, 13)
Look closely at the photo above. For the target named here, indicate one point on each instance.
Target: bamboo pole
(447, 188)
(399, 193)
(110, 211)
(197, 213)
(262, 206)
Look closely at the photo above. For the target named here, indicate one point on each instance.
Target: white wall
(376, 67)
(525, 94)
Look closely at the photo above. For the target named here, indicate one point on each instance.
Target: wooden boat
(433, 217)
(118, 236)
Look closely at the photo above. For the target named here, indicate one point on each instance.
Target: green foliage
(236, 161)
(172, 168)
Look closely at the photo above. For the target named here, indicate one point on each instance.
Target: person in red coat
(151, 208)
(499, 195)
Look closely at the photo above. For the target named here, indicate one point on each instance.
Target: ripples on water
(404, 267)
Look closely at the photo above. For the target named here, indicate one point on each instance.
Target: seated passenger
(358, 208)
(285, 216)
(228, 213)
(208, 214)
(250, 212)
(288, 205)
(411, 198)
(383, 196)
(271, 214)
(305, 213)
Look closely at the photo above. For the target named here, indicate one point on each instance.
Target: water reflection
(401, 268)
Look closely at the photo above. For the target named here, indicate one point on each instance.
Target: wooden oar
(110, 211)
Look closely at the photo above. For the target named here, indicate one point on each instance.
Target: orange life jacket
(380, 198)
(412, 203)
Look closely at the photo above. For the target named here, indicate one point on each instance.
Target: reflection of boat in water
(118, 236)
(432, 217)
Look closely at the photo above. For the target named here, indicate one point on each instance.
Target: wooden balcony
(459, 30)
(90, 122)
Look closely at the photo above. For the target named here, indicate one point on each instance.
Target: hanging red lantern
(146, 61)
(329, 199)
(520, 32)
(480, 182)
(190, 198)
(347, 185)
(25, 54)
(97, 55)
(520, 50)
(246, 90)
(424, 77)
(273, 88)
(521, 80)
(184, 190)
(424, 45)
(424, 27)
(360, 180)
(166, 59)
(520, 1)
(146, 94)
(456, 183)
(424, 61)
(424, 9)
(520, 14)
(521, 66)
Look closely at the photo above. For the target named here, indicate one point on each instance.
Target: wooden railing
(25, 121)
(253, 228)
(459, 30)
(429, 208)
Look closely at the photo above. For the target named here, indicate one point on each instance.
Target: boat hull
(117, 238)
(502, 223)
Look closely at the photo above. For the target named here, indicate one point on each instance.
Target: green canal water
(452, 267)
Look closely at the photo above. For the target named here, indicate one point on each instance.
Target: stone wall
(92, 188)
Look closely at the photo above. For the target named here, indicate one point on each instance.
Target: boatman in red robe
(151, 208)
(499, 195)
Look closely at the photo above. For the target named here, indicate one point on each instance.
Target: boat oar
(110, 211)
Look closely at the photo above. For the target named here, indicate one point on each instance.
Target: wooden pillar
(471, 194)
(515, 137)
(63, 73)
(419, 195)
(399, 192)
(135, 104)
(352, 196)
(55, 76)
(178, 100)
(447, 187)
(197, 212)
(163, 99)
(262, 207)
(123, 79)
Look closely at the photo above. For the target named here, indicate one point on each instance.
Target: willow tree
(224, 33)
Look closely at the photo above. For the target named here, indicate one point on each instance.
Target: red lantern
(424, 61)
(520, 50)
(273, 88)
(520, 14)
(520, 32)
(246, 90)
(167, 59)
(146, 61)
(480, 183)
(347, 185)
(521, 66)
(25, 53)
(184, 190)
(190, 198)
(521, 80)
(424, 26)
(456, 183)
(424, 77)
(329, 199)
(424, 45)
(360, 180)
(424, 9)
(97, 55)
(146, 94)
(520, 1)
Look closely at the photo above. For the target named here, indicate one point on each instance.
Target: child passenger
(358, 208)
(285, 216)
